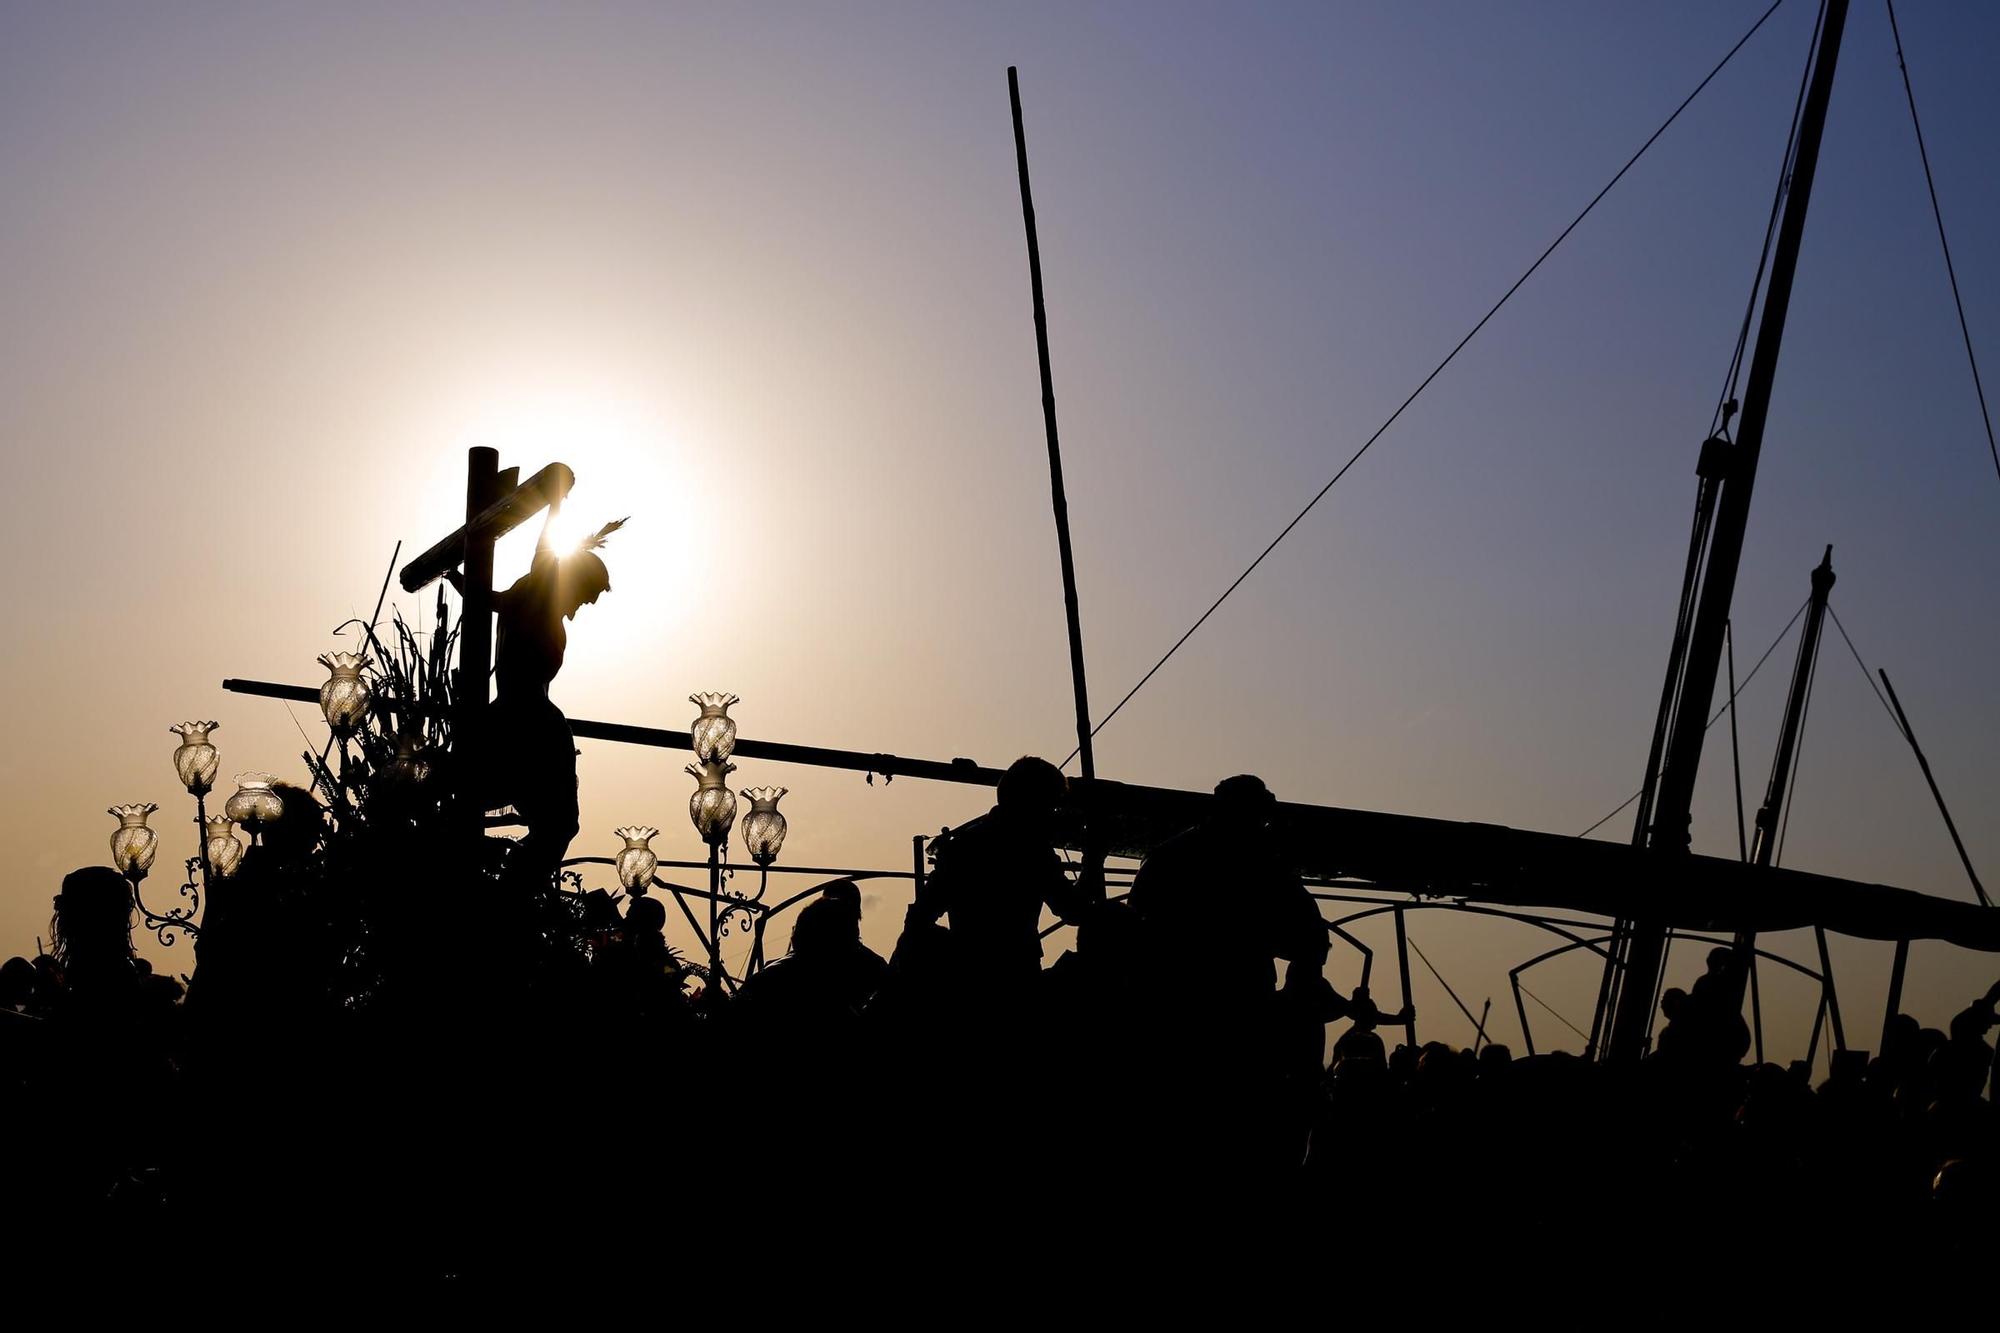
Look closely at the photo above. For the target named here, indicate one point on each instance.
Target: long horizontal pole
(888, 765)
(1437, 858)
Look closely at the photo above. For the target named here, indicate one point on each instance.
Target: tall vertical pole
(714, 917)
(1829, 993)
(1669, 830)
(1764, 838)
(1061, 501)
(1403, 967)
(1521, 1012)
(475, 634)
(1756, 1013)
(1897, 968)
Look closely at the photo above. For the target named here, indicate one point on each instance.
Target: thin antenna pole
(1056, 495)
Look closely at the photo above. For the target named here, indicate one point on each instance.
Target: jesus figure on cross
(536, 771)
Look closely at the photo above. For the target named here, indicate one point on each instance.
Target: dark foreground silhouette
(391, 1063)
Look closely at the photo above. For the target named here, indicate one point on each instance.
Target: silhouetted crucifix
(496, 502)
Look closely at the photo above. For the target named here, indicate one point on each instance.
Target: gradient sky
(757, 273)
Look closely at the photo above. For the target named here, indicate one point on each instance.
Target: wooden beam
(1434, 858)
(498, 519)
(963, 771)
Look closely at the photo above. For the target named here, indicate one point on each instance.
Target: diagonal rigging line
(1894, 721)
(1893, 706)
(1478, 1028)
(1750, 676)
(1937, 215)
(1551, 1008)
(1438, 370)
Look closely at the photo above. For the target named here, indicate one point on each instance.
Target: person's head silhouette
(646, 921)
(289, 841)
(826, 928)
(581, 579)
(1244, 805)
(847, 893)
(93, 918)
(1032, 792)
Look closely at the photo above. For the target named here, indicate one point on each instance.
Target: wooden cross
(496, 502)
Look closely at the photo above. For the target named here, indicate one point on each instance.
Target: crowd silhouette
(436, 1069)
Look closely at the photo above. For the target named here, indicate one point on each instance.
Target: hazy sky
(757, 273)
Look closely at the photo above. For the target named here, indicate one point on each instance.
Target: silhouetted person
(1220, 893)
(1716, 1009)
(995, 874)
(848, 894)
(1678, 1039)
(17, 985)
(534, 768)
(110, 1083)
(1967, 1058)
(1361, 1041)
(265, 943)
(92, 941)
(1216, 906)
(822, 983)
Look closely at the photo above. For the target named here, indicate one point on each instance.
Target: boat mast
(1668, 832)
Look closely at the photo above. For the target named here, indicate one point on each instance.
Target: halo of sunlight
(629, 463)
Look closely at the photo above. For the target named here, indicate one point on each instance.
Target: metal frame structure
(1370, 900)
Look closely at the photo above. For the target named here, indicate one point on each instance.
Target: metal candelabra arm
(166, 925)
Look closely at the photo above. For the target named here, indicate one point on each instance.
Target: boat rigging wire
(1559, 1018)
(1740, 686)
(1478, 1028)
(1725, 406)
(1937, 215)
(1435, 372)
(1864, 671)
(1902, 724)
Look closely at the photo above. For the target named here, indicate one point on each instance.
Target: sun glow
(629, 463)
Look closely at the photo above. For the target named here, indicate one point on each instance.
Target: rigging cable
(1894, 721)
(1725, 405)
(1438, 370)
(1559, 1018)
(1478, 1028)
(1740, 686)
(1937, 214)
(1894, 707)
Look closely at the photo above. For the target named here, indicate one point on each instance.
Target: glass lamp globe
(713, 805)
(196, 760)
(411, 768)
(637, 862)
(764, 826)
(220, 845)
(344, 698)
(714, 732)
(133, 845)
(254, 803)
